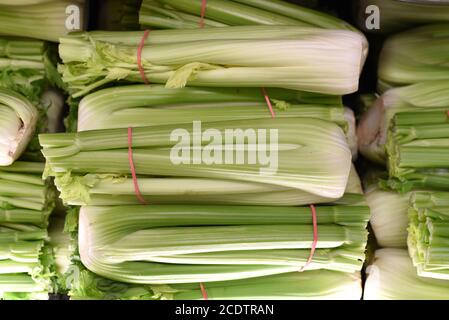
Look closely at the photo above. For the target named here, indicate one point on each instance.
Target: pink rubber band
(203, 291)
(315, 238)
(203, 12)
(132, 167)
(267, 99)
(139, 56)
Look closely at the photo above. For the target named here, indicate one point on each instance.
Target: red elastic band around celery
(267, 99)
(315, 238)
(133, 168)
(203, 291)
(139, 56)
(203, 12)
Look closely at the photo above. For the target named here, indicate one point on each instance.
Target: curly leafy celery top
(233, 57)
(185, 14)
(182, 244)
(46, 21)
(312, 155)
(392, 271)
(18, 118)
(428, 229)
(295, 285)
(374, 124)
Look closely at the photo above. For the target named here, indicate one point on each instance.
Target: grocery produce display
(224, 150)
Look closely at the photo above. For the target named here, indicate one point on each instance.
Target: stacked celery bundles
(215, 234)
(41, 19)
(26, 263)
(407, 127)
(243, 56)
(155, 105)
(195, 228)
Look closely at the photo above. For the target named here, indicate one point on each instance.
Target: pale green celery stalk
(246, 56)
(416, 55)
(373, 126)
(314, 285)
(418, 147)
(313, 155)
(393, 277)
(401, 15)
(156, 15)
(147, 105)
(20, 49)
(140, 105)
(18, 118)
(295, 285)
(309, 16)
(35, 217)
(389, 218)
(230, 13)
(233, 13)
(22, 187)
(94, 189)
(21, 252)
(20, 283)
(25, 264)
(208, 243)
(428, 233)
(45, 21)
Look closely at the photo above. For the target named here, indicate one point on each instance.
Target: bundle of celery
(392, 277)
(414, 56)
(28, 103)
(150, 105)
(418, 150)
(41, 19)
(185, 14)
(389, 218)
(428, 237)
(288, 57)
(26, 202)
(302, 154)
(399, 15)
(166, 244)
(321, 284)
(374, 124)
(18, 119)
